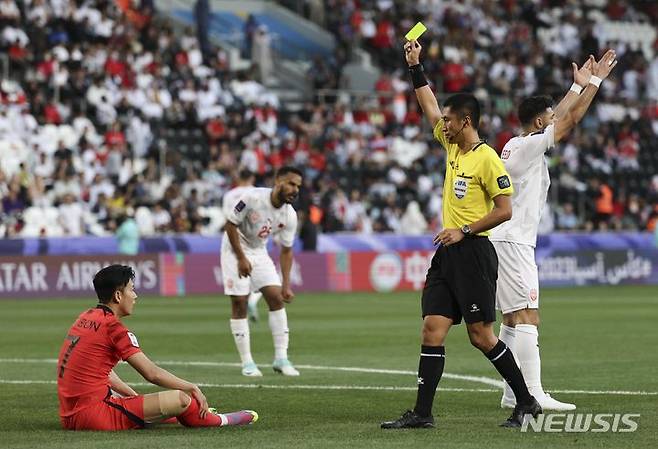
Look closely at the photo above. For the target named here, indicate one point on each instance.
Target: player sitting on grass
(93, 397)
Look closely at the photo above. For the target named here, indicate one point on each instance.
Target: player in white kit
(246, 180)
(247, 267)
(517, 294)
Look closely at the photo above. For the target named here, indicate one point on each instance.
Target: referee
(461, 281)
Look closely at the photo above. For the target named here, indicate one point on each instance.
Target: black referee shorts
(461, 282)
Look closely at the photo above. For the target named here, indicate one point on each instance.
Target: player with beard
(246, 181)
(247, 267)
(517, 295)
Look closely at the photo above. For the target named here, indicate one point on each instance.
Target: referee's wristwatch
(466, 230)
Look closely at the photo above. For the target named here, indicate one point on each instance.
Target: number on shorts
(74, 339)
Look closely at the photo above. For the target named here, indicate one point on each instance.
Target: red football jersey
(96, 342)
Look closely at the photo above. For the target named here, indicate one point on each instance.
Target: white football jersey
(230, 198)
(526, 164)
(257, 219)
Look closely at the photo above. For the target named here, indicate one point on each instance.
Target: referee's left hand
(448, 237)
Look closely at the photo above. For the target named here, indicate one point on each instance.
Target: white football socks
(240, 331)
(527, 352)
(278, 321)
(507, 336)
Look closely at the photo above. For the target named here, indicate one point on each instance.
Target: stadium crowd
(604, 176)
(96, 87)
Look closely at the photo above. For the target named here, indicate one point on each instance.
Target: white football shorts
(263, 273)
(518, 280)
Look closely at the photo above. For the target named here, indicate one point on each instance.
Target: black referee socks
(430, 370)
(503, 359)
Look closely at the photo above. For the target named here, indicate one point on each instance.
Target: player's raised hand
(412, 52)
(244, 267)
(287, 294)
(604, 66)
(582, 75)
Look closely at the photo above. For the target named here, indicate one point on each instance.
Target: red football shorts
(112, 413)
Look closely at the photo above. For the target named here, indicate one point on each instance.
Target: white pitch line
(346, 387)
(478, 379)
(276, 387)
(484, 380)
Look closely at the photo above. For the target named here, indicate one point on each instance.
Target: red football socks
(190, 417)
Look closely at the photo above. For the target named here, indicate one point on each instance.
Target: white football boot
(283, 366)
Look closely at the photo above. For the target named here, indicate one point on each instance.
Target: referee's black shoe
(520, 411)
(410, 420)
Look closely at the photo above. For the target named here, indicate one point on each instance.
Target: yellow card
(415, 32)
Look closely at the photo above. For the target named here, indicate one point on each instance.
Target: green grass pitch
(594, 342)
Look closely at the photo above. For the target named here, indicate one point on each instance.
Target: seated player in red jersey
(93, 397)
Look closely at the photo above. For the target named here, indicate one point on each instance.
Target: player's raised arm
(425, 96)
(581, 77)
(600, 71)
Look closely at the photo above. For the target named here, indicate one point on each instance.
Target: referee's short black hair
(465, 104)
(288, 169)
(531, 107)
(110, 279)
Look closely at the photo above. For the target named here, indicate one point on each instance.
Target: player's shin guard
(503, 359)
(240, 331)
(278, 321)
(430, 370)
(508, 336)
(527, 350)
(190, 417)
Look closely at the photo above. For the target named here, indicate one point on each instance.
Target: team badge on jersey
(133, 339)
(460, 187)
(240, 206)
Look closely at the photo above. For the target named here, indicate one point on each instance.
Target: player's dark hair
(110, 279)
(531, 107)
(245, 174)
(465, 104)
(288, 169)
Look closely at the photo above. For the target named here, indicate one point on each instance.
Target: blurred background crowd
(110, 113)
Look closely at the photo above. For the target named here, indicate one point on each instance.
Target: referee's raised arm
(426, 98)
